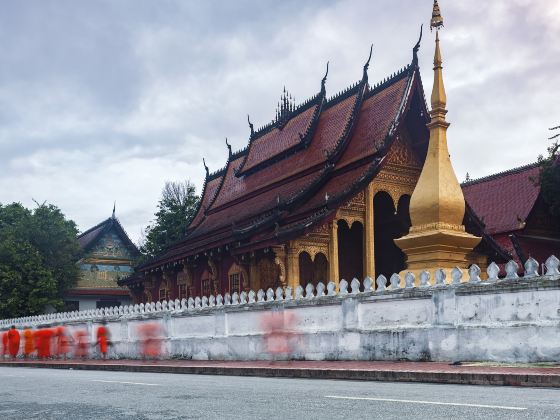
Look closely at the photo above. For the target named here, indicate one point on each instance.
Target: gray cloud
(106, 100)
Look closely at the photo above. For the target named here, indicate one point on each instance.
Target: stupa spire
(437, 237)
(439, 98)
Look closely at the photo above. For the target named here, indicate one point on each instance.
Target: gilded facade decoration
(110, 246)
(185, 276)
(106, 262)
(269, 272)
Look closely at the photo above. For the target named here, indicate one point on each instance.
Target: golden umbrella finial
(437, 19)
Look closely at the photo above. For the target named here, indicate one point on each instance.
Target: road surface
(28, 393)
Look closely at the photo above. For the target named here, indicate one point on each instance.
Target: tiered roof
(296, 171)
(89, 238)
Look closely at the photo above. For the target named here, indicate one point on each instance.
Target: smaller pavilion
(109, 254)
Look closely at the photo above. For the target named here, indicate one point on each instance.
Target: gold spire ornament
(437, 19)
(437, 237)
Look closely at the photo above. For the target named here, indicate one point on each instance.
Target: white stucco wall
(513, 320)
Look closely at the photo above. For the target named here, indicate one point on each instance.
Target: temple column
(369, 246)
(254, 281)
(292, 267)
(333, 252)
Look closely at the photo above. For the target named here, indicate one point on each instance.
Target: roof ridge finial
(437, 19)
(417, 47)
(229, 147)
(250, 126)
(324, 80)
(114, 208)
(366, 66)
(206, 167)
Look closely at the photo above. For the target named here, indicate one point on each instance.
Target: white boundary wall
(514, 319)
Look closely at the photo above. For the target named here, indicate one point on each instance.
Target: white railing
(459, 278)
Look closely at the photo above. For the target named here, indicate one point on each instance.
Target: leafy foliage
(38, 255)
(550, 175)
(176, 208)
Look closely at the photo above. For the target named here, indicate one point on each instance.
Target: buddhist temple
(109, 254)
(319, 194)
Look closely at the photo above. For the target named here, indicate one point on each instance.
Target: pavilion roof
(292, 175)
(504, 200)
(89, 238)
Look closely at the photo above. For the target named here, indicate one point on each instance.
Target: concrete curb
(463, 378)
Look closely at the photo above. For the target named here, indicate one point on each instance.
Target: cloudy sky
(106, 100)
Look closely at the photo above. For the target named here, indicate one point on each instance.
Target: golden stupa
(437, 237)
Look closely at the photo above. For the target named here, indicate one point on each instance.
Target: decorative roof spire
(114, 208)
(417, 47)
(366, 66)
(437, 19)
(206, 168)
(229, 147)
(250, 125)
(324, 80)
(285, 107)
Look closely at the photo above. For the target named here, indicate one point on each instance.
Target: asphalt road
(27, 393)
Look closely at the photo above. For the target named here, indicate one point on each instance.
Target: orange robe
(62, 341)
(44, 343)
(81, 343)
(13, 342)
(28, 344)
(102, 339)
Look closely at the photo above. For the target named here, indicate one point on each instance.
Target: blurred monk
(63, 341)
(28, 344)
(13, 341)
(4, 344)
(150, 340)
(44, 337)
(81, 338)
(103, 338)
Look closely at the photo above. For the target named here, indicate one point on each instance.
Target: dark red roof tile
(278, 140)
(375, 118)
(208, 195)
(503, 201)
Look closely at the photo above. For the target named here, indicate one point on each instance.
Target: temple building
(514, 213)
(322, 193)
(109, 254)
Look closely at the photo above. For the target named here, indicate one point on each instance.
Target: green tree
(176, 208)
(38, 255)
(550, 175)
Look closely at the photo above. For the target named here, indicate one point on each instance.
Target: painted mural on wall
(110, 246)
(97, 271)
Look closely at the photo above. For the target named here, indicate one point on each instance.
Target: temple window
(206, 287)
(163, 294)
(206, 283)
(235, 283)
(182, 291)
(235, 277)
